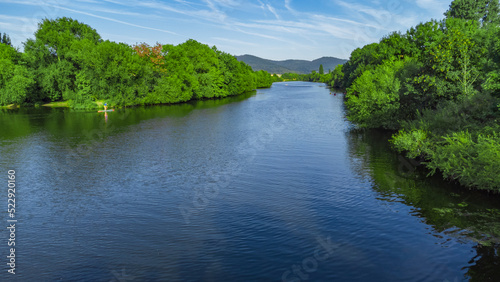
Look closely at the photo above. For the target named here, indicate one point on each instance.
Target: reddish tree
(154, 54)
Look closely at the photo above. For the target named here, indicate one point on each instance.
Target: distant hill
(293, 66)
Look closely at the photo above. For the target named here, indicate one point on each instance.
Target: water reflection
(61, 122)
(451, 211)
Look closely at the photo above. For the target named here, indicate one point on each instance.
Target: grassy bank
(60, 104)
(11, 106)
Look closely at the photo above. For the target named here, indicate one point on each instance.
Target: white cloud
(272, 10)
(234, 41)
(18, 28)
(288, 6)
(115, 20)
(213, 14)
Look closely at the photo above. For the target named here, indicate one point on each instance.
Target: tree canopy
(5, 39)
(484, 11)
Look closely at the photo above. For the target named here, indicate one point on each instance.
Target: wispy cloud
(381, 19)
(227, 3)
(272, 10)
(215, 13)
(271, 24)
(234, 41)
(13, 18)
(292, 28)
(289, 7)
(98, 9)
(211, 14)
(115, 20)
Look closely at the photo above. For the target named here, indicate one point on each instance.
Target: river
(273, 185)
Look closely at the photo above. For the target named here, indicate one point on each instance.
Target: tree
(337, 77)
(373, 98)
(16, 80)
(484, 11)
(56, 54)
(455, 57)
(206, 67)
(321, 70)
(361, 59)
(493, 13)
(59, 34)
(114, 72)
(238, 77)
(154, 54)
(5, 39)
(263, 79)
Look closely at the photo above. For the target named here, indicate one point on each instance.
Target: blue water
(271, 186)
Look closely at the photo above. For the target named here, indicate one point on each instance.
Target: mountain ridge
(290, 65)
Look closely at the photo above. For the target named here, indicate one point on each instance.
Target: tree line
(314, 76)
(438, 85)
(69, 61)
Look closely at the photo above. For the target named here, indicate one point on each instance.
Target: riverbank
(100, 104)
(60, 104)
(69, 103)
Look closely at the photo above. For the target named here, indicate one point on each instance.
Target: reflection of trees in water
(63, 121)
(16, 123)
(449, 209)
(485, 266)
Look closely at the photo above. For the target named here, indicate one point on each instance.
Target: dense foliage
(16, 80)
(69, 61)
(439, 85)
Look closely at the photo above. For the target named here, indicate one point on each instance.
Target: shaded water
(274, 185)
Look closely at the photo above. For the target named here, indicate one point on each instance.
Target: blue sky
(272, 29)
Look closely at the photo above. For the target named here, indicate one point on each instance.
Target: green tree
(373, 98)
(263, 79)
(53, 56)
(485, 11)
(116, 73)
(206, 67)
(5, 39)
(492, 13)
(337, 79)
(16, 80)
(238, 76)
(321, 70)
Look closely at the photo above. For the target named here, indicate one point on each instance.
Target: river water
(273, 185)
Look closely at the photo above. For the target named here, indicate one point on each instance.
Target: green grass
(69, 104)
(11, 106)
(60, 104)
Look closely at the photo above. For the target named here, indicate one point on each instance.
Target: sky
(271, 29)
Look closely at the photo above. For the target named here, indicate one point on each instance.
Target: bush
(414, 142)
(373, 98)
(474, 163)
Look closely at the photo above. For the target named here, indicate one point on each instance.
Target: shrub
(474, 163)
